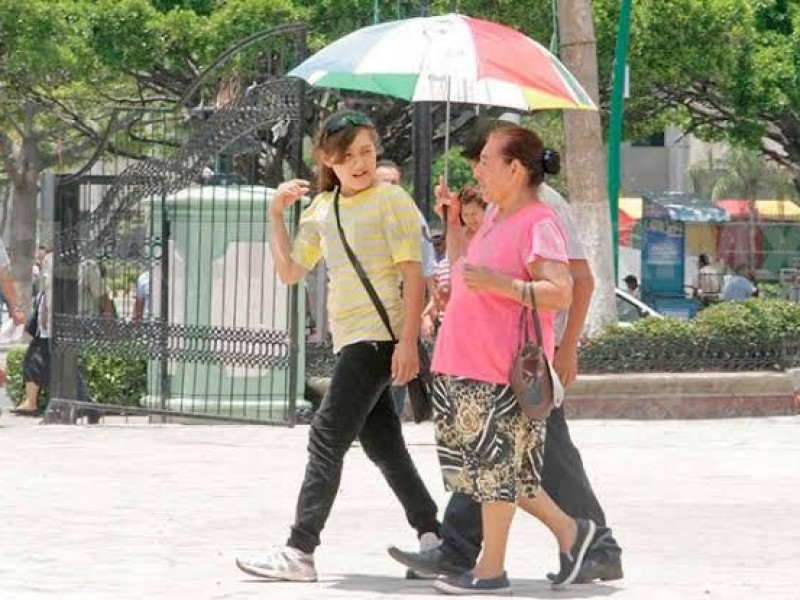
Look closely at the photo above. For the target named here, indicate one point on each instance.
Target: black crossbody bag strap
(359, 269)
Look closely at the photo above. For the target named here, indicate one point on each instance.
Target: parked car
(630, 309)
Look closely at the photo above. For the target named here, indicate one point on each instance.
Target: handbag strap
(359, 269)
(527, 291)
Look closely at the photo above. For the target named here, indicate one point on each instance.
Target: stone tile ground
(703, 509)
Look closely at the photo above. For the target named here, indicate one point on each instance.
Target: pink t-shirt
(480, 331)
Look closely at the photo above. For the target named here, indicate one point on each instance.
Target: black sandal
(25, 412)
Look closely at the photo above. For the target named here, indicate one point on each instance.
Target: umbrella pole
(446, 152)
(447, 133)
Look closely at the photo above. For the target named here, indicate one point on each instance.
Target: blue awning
(681, 206)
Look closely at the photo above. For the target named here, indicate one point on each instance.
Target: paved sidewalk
(703, 509)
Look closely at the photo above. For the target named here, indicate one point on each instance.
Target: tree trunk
(585, 160)
(22, 237)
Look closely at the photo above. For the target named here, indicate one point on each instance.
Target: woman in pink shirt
(487, 447)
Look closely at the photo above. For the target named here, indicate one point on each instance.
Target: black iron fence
(162, 276)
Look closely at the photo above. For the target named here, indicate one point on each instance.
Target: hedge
(110, 379)
(753, 335)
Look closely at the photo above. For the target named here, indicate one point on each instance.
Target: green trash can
(226, 308)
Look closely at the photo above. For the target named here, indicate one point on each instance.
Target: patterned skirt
(487, 447)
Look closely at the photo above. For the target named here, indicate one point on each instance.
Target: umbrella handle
(446, 154)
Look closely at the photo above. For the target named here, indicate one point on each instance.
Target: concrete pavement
(703, 510)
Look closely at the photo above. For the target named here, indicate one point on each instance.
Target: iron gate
(165, 298)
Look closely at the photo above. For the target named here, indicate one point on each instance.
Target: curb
(651, 396)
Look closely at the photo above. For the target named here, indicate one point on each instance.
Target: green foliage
(114, 379)
(200, 7)
(753, 321)
(111, 380)
(770, 291)
(121, 275)
(459, 169)
(743, 76)
(125, 35)
(15, 387)
(730, 335)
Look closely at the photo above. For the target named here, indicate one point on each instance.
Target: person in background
(632, 286)
(380, 223)
(36, 364)
(472, 208)
(388, 172)
(709, 281)
(8, 289)
(141, 304)
(434, 311)
(93, 300)
(740, 286)
(41, 251)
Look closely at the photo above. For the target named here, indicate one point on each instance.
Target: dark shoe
(92, 416)
(571, 561)
(431, 562)
(25, 412)
(428, 541)
(467, 584)
(605, 566)
(603, 560)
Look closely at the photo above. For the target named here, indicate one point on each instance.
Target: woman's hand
(482, 278)
(288, 193)
(448, 199)
(405, 362)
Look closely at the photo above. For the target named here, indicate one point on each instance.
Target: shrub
(110, 379)
(15, 387)
(729, 336)
(114, 379)
(752, 321)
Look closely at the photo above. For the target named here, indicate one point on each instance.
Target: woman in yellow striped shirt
(382, 227)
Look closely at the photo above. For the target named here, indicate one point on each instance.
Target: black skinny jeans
(563, 478)
(358, 405)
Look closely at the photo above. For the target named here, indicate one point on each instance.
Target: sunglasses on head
(336, 124)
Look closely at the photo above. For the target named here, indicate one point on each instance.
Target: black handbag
(533, 379)
(419, 388)
(32, 324)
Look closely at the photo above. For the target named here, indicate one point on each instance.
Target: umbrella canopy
(448, 58)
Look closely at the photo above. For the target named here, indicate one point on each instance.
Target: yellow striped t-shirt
(382, 227)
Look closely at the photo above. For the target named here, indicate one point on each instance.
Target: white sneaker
(428, 541)
(281, 562)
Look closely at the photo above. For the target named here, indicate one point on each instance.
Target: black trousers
(36, 364)
(563, 478)
(358, 405)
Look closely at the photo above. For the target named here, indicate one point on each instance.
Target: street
(702, 509)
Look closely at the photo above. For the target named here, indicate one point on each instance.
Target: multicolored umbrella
(448, 58)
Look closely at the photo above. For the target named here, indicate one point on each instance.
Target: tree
(741, 85)
(586, 160)
(44, 68)
(746, 174)
(64, 63)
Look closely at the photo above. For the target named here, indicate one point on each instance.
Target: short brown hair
(334, 138)
(471, 194)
